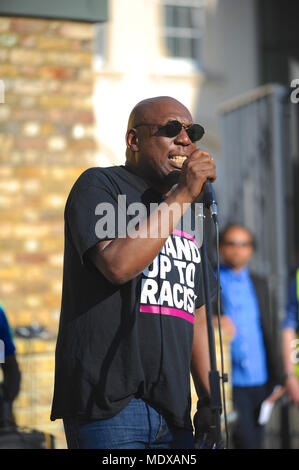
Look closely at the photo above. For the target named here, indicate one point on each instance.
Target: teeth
(178, 158)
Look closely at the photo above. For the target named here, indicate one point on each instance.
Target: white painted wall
(230, 61)
(136, 68)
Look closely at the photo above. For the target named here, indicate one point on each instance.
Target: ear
(132, 140)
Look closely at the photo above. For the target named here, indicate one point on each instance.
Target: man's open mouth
(177, 158)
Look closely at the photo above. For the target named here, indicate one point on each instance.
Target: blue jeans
(137, 426)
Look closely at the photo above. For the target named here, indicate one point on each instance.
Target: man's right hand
(195, 171)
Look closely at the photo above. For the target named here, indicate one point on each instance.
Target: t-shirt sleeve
(200, 300)
(91, 215)
(5, 335)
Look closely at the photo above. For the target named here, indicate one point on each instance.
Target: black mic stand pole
(209, 201)
(214, 377)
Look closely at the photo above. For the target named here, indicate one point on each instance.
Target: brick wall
(46, 141)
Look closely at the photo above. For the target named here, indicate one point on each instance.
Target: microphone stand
(214, 377)
(209, 201)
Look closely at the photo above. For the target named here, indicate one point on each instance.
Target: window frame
(178, 33)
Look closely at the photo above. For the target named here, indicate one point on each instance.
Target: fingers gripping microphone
(207, 196)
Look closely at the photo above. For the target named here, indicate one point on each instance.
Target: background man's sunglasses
(173, 128)
(235, 243)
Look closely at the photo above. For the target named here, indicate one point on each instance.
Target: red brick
(36, 143)
(4, 24)
(30, 71)
(33, 114)
(28, 40)
(56, 72)
(53, 43)
(8, 70)
(82, 144)
(77, 30)
(26, 56)
(77, 88)
(3, 54)
(69, 59)
(25, 25)
(31, 258)
(54, 101)
(71, 116)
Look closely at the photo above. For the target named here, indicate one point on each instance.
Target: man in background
(246, 316)
(290, 341)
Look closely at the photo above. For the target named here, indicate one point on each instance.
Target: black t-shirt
(135, 339)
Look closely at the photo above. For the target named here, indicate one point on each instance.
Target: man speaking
(133, 322)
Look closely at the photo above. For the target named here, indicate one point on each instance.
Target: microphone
(208, 198)
(207, 195)
(173, 178)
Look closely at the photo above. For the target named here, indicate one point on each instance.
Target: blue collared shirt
(291, 316)
(239, 302)
(7, 347)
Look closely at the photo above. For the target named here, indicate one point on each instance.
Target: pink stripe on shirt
(174, 312)
(184, 234)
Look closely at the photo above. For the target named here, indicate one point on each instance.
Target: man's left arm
(204, 426)
(200, 362)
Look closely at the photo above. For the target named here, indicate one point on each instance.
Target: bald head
(147, 111)
(148, 150)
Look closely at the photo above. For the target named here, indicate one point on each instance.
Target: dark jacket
(270, 328)
(271, 331)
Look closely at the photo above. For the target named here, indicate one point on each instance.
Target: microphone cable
(224, 377)
(209, 200)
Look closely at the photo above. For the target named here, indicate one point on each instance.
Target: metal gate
(255, 134)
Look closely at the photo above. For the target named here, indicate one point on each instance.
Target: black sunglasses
(173, 128)
(237, 243)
